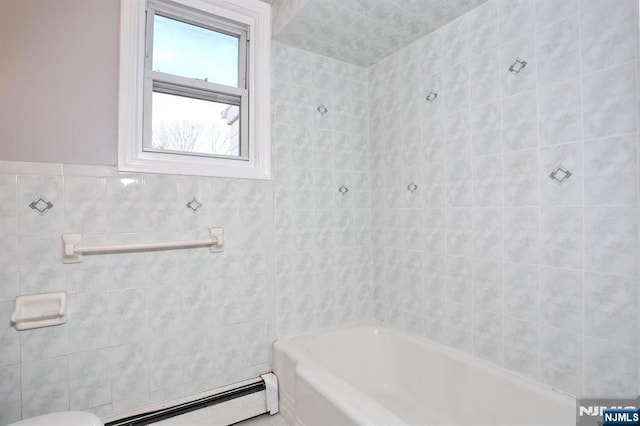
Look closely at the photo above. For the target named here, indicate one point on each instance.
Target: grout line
(637, 65)
(501, 153)
(609, 68)
(581, 76)
(539, 188)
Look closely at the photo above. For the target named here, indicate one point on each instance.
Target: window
(194, 88)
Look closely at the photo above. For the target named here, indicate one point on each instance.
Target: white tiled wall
(143, 327)
(489, 255)
(322, 236)
(147, 327)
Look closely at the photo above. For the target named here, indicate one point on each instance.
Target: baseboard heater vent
(227, 405)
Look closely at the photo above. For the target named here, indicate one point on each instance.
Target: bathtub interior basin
(373, 374)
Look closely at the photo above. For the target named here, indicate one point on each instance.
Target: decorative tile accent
(560, 175)
(194, 205)
(510, 53)
(41, 205)
(343, 189)
(412, 187)
(323, 109)
(517, 66)
(431, 97)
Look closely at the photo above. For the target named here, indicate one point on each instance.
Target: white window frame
(132, 157)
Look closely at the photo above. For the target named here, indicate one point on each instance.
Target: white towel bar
(72, 251)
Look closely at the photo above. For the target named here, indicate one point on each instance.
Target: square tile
(618, 367)
(8, 207)
(561, 359)
(487, 233)
(558, 52)
(484, 78)
(459, 287)
(487, 286)
(609, 33)
(516, 18)
(611, 240)
(459, 183)
(487, 181)
(609, 102)
(610, 308)
(487, 336)
(521, 234)
(560, 113)
(10, 394)
(45, 386)
(521, 184)
(486, 131)
(89, 379)
(521, 300)
(457, 135)
(521, 343)
(519, 122)
(561, 295)
(549, 11)
(482, 26)
(610, 170)
(561, 241)
(459, 232)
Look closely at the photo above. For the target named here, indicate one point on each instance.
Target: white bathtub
(375, 375)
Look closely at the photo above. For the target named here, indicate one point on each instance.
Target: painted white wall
(59, 81)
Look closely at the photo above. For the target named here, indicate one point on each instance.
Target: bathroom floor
(190, 420)
(264, 420)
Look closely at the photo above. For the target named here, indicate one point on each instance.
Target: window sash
(195, 88)
(197, 18)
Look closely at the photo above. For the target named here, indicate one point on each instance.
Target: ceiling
(361, 32)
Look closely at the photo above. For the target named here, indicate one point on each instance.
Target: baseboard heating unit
(222, 406)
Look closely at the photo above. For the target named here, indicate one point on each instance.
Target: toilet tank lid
(64, 418)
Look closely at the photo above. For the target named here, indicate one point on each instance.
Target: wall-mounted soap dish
(39, 310)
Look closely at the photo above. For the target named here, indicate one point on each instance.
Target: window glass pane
(194, 52)
(180, 123)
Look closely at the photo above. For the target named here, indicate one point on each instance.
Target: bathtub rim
(297, 350)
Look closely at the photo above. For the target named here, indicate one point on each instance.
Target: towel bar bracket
(217, 235)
